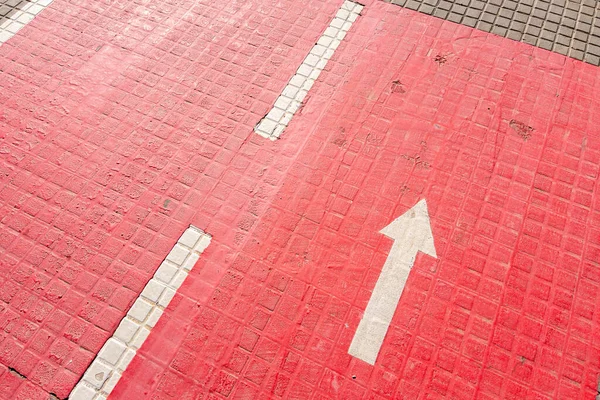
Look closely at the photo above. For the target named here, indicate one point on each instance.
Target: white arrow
(411, 233)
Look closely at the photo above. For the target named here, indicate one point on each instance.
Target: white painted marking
(411, 233)
(116, 354)
(16, 14)
(286, 105)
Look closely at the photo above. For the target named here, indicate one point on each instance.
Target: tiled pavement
(9, 7)
(14, 14)
(120, 127)
(122, 123)
(570, 27)
(503, 141)
(105, 371)
(294, 93)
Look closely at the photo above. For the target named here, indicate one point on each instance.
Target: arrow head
(413, 229)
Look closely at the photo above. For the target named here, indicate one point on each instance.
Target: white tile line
(116, 354)
(288, 103)
(21, 17)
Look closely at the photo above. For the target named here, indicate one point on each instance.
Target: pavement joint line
(13, 17)
(294, 93)
(112, 360)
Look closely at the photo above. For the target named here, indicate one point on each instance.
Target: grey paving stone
(521, 17)
(470, 22)
(571, 14)
(514, 35)
(523, 8)
(587, 10)
(517, 26)
(484, 26)
(554, 18)
(585, 19)
(426, 9)
(577, 54)
(440, 13)
(533, 30)
(477, 5)
(545, 44)
(564, 50)
(445, 5)
(548, 35)
(531, 39)
(556, 9)
(568, 22)
(582, 36)
(502, 22)
(492, 9)
(537, 22)
(569, 27)
(413, 4)
(488, 17)
(454, 17)
(498, 30)
(8, 9)
(578, 45)
(458, 9)
(589, 58)
(563, 40)
(472, 13)
(550, 26)
(593, 49)
(565, 31)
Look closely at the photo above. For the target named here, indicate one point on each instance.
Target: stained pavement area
(122, 123)
(570, 27)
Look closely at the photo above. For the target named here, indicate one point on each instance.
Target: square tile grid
(116, 354)
(570, 28)
(15, 14)
(294, 93)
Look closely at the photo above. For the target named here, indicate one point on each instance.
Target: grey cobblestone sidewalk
(15, 14)
(9, 7)
(569, 27)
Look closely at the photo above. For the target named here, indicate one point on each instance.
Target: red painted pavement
(120, 121)
(110, 152)
(414, 108)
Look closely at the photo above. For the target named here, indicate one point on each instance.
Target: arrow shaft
(382, 305)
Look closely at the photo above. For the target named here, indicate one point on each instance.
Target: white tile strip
(116, 354)
(15, 14)
(286, 105)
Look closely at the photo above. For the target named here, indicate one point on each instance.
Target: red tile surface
(413, 108)
(122, 123)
